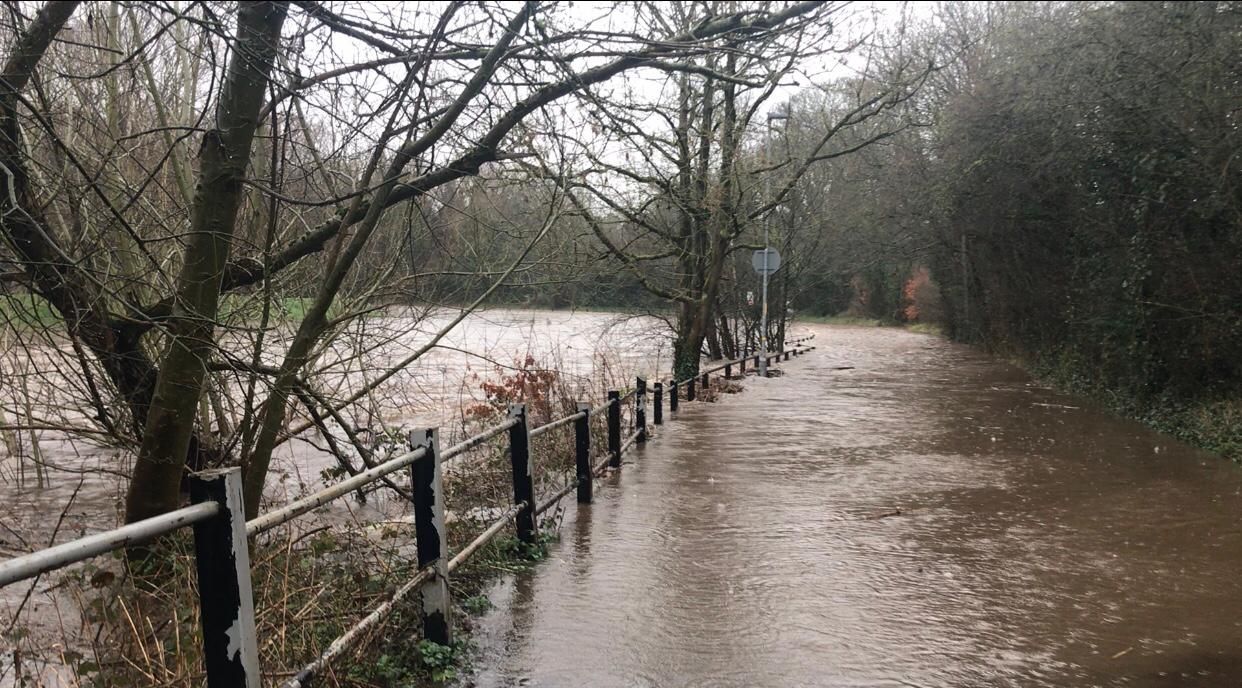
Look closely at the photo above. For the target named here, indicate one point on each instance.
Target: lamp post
(767, 221)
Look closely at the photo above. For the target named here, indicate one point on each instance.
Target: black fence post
(582, 454)
(640, 409)
(741, 366)
(431, 537)
(706, 386)
(523, 476)
(614, 429)
(690, 388)
(226, 599)
(659, 403)
(672, 398)
(728, 370)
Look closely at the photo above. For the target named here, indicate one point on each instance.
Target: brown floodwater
(1040, 541)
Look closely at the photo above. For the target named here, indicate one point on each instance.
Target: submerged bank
(1212, 421)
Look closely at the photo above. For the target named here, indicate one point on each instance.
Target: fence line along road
(221, 534)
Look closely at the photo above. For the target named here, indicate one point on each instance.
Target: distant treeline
(1093, 174)
(1072, 178)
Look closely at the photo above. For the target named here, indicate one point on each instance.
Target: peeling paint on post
(672, 398)
(431, 537)
(614, 429)
(523, 476)
(659, 403)
(640, 409)
(582, 454)
(222, 557)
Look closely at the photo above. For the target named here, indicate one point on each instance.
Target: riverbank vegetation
(1072, 185)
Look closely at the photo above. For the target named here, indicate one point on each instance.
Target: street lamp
(767, 220)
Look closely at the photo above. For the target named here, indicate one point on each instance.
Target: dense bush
(1091, 171)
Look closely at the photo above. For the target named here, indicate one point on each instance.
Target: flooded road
(928, 517)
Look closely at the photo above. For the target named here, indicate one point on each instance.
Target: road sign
(773, 261)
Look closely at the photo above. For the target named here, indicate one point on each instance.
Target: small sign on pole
(750, 298)
(766, 261)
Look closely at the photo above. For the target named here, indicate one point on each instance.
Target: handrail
(292, 510)
(602, 466)
(629, 442)
(560, 494)
(596, 410)
(552, 425)
(346, 640)
(724, 364)
(74, 551)
(221, 536)
(485, 537)
(472, 442)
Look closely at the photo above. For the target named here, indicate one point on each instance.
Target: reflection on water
(757, 542)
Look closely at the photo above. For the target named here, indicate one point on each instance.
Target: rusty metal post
(640, 410)
(523, 476)
(614, 429)
(582, 454)
(226, 599)
(431, 536)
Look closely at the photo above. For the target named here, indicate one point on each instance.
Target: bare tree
(310, 128)
(682, 188)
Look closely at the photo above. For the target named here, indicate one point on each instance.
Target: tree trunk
(713, 341)
(688, 345)
(154, 488)
(727, 346)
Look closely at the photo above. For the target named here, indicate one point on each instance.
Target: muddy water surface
(927, 517)
(84, 483)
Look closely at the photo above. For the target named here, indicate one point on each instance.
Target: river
(895, 510)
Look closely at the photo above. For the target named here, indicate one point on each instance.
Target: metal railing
(222, 563)
(221, 534)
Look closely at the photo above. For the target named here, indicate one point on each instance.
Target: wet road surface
(757, 541)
